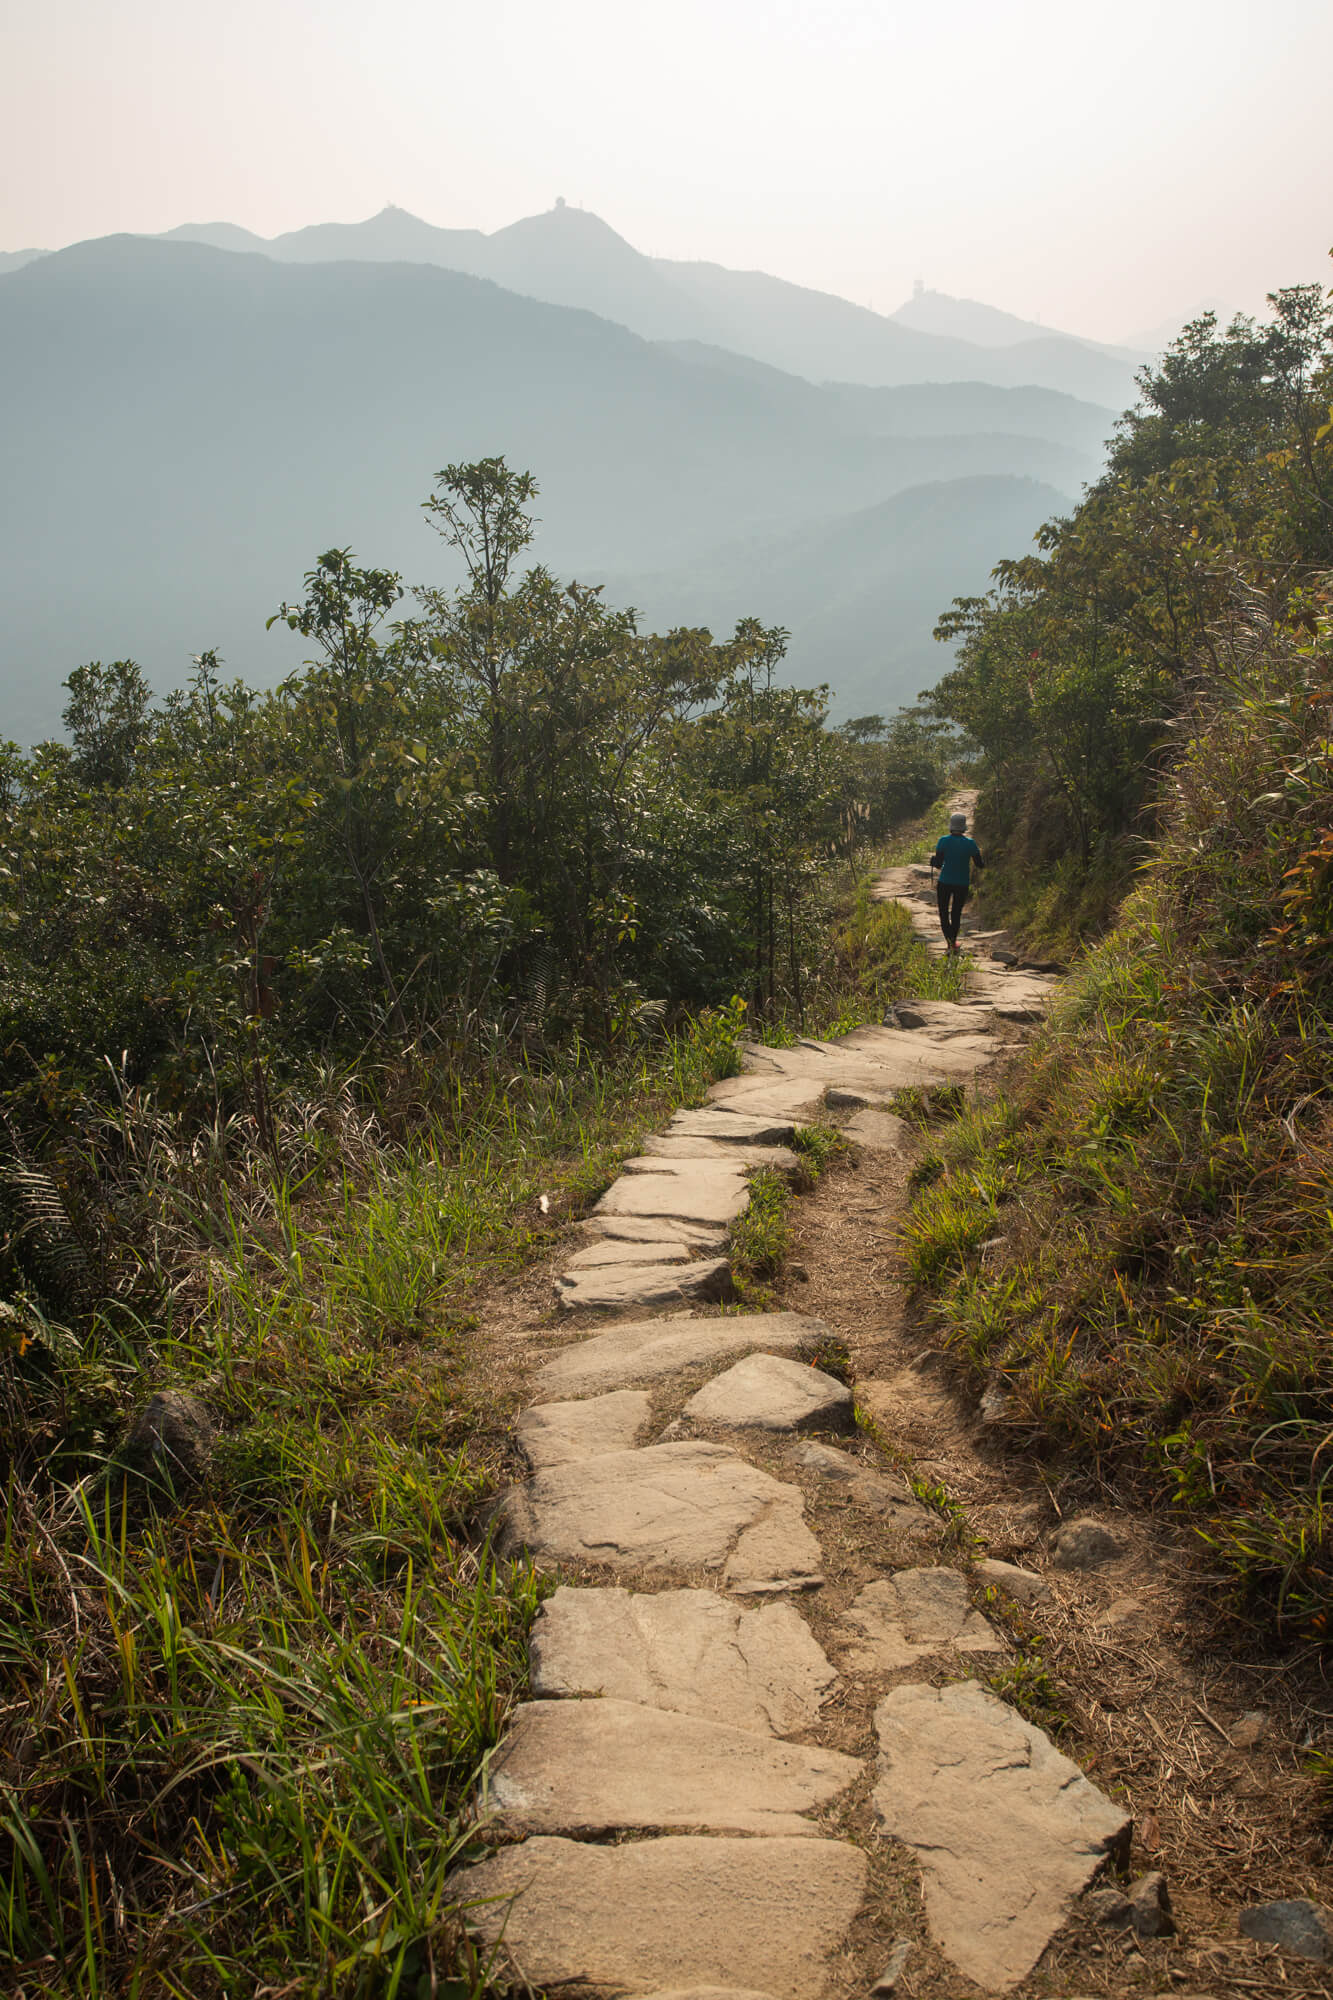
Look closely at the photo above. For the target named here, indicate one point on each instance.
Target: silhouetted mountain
(860, 594)
(187, 428)
(570, 257)
(14, 260)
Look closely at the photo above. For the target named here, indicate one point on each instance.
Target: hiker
(954, 855)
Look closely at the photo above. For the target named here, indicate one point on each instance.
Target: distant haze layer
(189, 427)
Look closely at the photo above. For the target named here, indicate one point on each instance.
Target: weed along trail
(760, 1754)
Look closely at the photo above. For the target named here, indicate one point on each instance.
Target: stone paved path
(668, 1821)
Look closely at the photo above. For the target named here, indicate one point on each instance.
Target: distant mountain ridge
(570, 257)
(187, 428)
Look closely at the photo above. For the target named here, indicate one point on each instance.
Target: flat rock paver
(681, 1912)
(639, 1287)
(652, 1349)
(556, 1433)
(726, 1127)
(769, 1393)
(609, 1250)
(695, 1236)
(1007, 1830)
(674, 1507)
(906, 1617)
(592, 1767)
(712, 1151)
(688, 1190)
(690, 1650)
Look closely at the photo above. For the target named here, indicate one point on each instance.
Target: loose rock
(1302, 1928)
(1083, 1544)
(1006, 1829)
(669, 1914)
(170, 1443)
(1023, 1585)
(1150, 1906)
(893, 1971)
(589, 1767)
(687, 1650)
(766, 1392)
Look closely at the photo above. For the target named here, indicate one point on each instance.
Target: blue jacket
(954, 856)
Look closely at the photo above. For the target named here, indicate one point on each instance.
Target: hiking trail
(761, 1756)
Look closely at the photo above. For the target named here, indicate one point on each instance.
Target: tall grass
(243, 1725)
(1138, 1236)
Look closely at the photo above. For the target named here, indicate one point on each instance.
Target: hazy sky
(1099, 166)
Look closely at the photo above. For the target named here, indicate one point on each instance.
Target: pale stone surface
(683, 1912)
(683, 1507)
(731, 1128)
(705, 1236)
(691, 1190)
(649, 1350)
(556, 1433)
(712, 1152)
(878, 1131)
(642, 1250)
(1006, 1829)
(907, 1617)
(766, 1392)
(1023, 1585)
(590, 1767)
(709, 1993)
(643, 1286)
(864, 1487)
(688, 1650)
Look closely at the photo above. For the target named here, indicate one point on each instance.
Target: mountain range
(188, 426)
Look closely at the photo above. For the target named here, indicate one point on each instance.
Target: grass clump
(1155, 1188)
(244, 1723)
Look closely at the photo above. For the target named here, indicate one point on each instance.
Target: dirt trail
(789, 1735)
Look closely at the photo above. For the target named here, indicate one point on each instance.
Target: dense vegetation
(1154, 1190)
(320, 1010)
(1077, 673)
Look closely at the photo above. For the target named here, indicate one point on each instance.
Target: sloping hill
(860, 594)
(187, 428)
(570, 257)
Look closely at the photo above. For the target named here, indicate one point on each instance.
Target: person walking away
(954, 856)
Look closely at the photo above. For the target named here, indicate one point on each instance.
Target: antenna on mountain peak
(560, 201)
(918, 286)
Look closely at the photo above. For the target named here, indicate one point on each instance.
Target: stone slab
(906, 1617)
(593, 1767)
(681, 1912)
(612, 1250)
(685, 1190)
(712, 1152)
(878, 1131)
(731, 1128)
(673, 1507)
(1007, 1830)
(697, 1236)
(642, 1287)
(689, 1650)
(558, 1433)
(649, 1350)
(888, 1498)
(767, 1392)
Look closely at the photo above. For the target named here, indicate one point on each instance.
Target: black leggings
(951, 909)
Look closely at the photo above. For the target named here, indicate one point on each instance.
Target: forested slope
(1154, 692)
